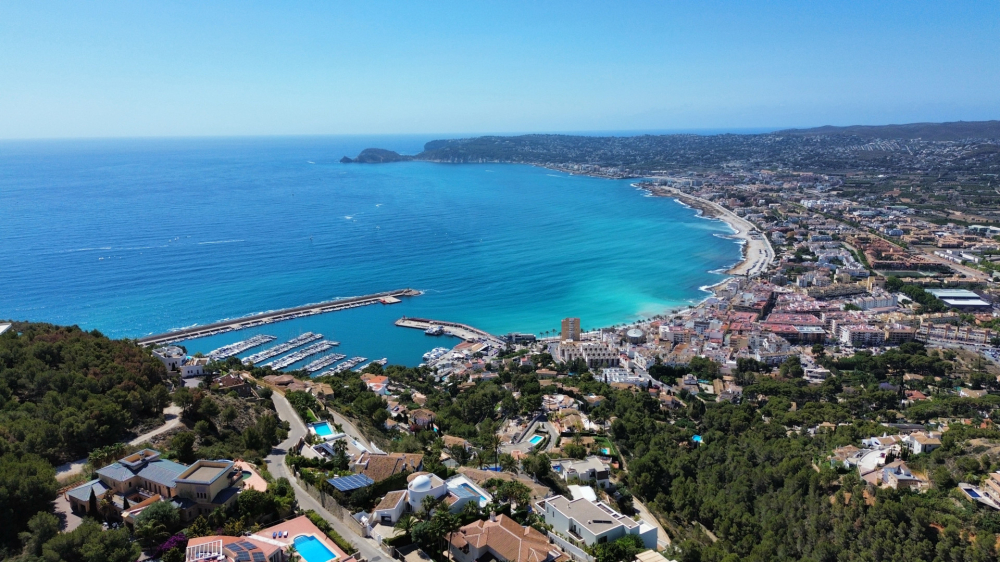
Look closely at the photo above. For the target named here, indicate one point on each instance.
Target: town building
(171, 356)
(590, 469)
(502, 539)
(143, 478)
(570, 329)
(592, 523)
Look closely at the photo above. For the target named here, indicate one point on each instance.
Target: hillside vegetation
(65, 392)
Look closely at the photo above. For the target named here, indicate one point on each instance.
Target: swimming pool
(312, 549)
(323, 429)
(536, 440)
(247, 474)
(972, 493)
(473, 491)
(606, 451)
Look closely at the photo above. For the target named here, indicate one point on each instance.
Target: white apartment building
(595, 354)
(861, 336)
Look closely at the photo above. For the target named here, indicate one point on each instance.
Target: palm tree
(444, 524)
(508, 463)
(495, 443)
(293, 554)
(406, 523)
(107, 508)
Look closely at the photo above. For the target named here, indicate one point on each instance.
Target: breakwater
(464, 331)
(387, 297)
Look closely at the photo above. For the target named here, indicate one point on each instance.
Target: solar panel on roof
(258, 556)
(247, 545)
(236, 547)
(352, 482)
(243, 556)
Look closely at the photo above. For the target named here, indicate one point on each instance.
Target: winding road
(276, 465)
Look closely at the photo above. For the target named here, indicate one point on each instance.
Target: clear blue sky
(107, 69)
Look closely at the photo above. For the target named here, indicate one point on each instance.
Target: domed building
(635, 336)
(421, 485)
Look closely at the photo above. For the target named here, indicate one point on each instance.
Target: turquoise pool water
(323, 429)
(312, 549)
(473, 490)
(536, 440)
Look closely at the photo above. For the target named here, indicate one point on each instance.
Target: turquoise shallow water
(139, 237)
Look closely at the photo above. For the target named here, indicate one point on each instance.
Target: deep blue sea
(135, 237)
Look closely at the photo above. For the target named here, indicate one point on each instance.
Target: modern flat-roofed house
(592, 523)
(897, 475)
(194, 367)
(991, 487)
(205, 486)
(171, 356)
(590, 469)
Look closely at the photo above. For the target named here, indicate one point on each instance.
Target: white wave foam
(221, 242)
(88, 249)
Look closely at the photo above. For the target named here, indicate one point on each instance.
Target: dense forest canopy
(63, 393)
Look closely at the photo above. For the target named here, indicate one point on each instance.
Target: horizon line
(706, 131)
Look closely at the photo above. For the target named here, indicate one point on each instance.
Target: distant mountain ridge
(967, 146)
(952, 131)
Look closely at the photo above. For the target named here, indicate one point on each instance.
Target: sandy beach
(757, 252)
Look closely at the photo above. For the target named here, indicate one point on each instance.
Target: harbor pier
(388, 297)
(463, 331)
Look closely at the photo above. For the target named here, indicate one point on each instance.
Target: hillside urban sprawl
(831, 399)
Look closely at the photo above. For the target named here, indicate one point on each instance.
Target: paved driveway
(172, 418)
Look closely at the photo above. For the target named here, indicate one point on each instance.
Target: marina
(323, 362)
(346, 365)
(239, 347)
(313, 349)
(283, 347)
(381, 361)
(388, 297)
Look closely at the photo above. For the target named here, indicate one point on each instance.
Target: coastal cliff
(830, 149)
(376, 156)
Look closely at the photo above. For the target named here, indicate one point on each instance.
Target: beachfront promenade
(757, 251)
(388, 297)
(464, 331)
